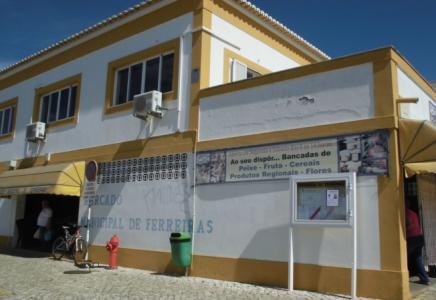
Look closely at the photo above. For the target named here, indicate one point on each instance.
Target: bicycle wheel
(59, 248)
(80, 250)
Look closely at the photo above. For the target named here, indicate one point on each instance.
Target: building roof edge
(245, 4)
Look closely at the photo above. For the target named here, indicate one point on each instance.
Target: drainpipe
(181, 54)
(180, 83)
(194, 196)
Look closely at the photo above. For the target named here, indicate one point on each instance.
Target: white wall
(251, 220)
(249, 47)
(141, 213)
(339, 96)
(235, 220)
(7, 217)
(407, 88)
(93, 128)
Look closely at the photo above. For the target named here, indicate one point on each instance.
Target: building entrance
(420, 194)
(65, 210)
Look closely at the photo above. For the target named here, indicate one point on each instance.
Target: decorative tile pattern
(165, 167)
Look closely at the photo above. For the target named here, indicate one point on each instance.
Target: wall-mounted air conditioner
(35, 132)
(146, 104)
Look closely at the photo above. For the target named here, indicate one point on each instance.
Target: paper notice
(332, 198)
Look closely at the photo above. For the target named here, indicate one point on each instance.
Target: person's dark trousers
(21, 226)
(42, 242)
(414, 256)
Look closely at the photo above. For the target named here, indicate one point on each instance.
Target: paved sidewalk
(44, 278)
(422, 292)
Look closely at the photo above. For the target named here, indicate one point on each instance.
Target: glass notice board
(323, 199)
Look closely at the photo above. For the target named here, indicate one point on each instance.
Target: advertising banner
(281, 161)
(365, 154)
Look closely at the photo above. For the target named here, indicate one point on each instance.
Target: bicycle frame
(64, 245)
(71, 239)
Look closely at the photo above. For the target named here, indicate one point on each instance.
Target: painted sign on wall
(142, 200)
(365, 154)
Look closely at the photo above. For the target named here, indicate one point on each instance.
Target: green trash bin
(181, 245)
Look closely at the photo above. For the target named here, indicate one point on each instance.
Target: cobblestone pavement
(44, 278)
(423, 292)
(428, 294)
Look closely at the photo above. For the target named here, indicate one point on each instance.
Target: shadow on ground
(24, 253)
(77, 272)
(167, 274)
(417, 289)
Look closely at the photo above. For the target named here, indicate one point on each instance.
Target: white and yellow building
(236, 85)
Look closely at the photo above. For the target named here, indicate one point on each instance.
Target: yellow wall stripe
(353, 60)
(393, 254)
(371, 283)
(5, 241)
(301, 133)
(180, 142)
(201, 48)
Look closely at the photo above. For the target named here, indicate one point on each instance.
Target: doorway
(426, 192)
(65, 211)
(420, 195)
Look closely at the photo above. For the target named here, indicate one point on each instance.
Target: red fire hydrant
(112, 247)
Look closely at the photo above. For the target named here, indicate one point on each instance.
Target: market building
(246, 103)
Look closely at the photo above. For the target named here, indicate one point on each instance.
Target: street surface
(41, 277)
(44, 278)
(424, 292)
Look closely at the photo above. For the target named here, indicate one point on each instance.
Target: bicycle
(72, 244)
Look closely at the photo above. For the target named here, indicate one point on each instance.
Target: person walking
(43, 221)
(415, 243)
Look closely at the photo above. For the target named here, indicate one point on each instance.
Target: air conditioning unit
(35, 132)
(146, 104)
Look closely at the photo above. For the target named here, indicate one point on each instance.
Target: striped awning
(59, 179)
(418, 146)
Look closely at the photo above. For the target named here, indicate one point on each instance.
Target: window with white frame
(240, 71)
(6, 120)
(155, 73)
(58, 105)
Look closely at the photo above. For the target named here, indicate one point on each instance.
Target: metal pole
(291, 261)
(354, 266)
(194, 191)
(87, 231)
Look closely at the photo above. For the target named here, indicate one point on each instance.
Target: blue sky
(337, 27)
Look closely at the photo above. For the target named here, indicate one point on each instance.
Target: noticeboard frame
(350, 195)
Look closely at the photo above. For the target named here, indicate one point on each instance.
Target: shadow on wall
(263, 209)
(265, 258)
(259, 263)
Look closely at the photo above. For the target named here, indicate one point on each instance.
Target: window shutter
(239, 70)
